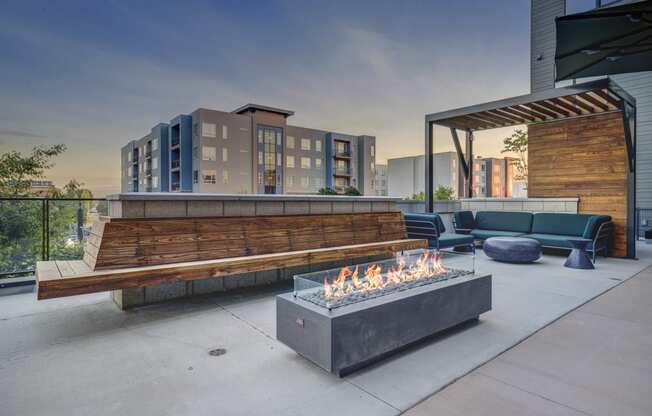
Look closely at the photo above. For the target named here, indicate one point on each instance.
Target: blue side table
(578, 257)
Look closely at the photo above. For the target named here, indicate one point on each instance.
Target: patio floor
(81, 355)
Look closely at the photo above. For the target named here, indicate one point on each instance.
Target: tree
(417, 197)
(517, 143)
(443, 193)
(352, 191)
(327, 191)
(17, 171)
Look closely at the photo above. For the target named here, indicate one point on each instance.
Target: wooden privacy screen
(128, 242)
(586, 158)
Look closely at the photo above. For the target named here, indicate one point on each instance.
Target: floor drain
(217, 352)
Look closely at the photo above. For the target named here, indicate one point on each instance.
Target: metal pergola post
(429, 159)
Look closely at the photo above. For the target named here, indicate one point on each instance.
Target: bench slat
(133, 277)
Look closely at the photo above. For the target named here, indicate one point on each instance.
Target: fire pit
(343, 319)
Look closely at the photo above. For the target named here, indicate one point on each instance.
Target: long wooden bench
(123, 253)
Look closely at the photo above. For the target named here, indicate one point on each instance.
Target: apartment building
(252, 150)
(493, 177)
(380, 182)
(145, 166)
(405, 174)
(639, 84)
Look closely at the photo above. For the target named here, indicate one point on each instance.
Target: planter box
(350, 337)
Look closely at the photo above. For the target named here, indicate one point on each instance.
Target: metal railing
(643, 222)
(33, 229)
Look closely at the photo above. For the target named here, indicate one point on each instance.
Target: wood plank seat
(127, 253)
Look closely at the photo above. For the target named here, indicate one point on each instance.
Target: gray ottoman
(512, 249)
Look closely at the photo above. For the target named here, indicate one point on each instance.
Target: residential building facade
(493, 177)
(405, 174)
(639, 84)
(381, 180)
(252, 150)
(145, 166)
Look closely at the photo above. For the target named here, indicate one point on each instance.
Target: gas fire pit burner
(359, 283)
(343, 319)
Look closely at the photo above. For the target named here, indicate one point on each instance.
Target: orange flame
(426, 266)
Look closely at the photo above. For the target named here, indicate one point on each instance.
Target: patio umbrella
(604, 41)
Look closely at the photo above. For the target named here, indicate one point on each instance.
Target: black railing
(33, 229)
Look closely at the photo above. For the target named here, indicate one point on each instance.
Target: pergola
(555, 105)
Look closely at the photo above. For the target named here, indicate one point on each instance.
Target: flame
(374, 278)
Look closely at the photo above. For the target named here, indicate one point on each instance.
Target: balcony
(148, 154)
(148, 172)
(174, 143)
(175, 164)
(345, 154)
(175, 186)
(345, 172)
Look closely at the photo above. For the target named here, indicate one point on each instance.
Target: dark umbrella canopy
(605, 41)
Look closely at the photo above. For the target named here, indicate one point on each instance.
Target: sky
(95, 74)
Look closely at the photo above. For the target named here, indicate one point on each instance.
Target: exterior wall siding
(639, 85)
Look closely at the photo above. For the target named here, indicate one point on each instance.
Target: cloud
(20, 134)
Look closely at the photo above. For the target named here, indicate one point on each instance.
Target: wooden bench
(123, 253)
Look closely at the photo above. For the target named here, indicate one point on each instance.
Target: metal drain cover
(217, 352)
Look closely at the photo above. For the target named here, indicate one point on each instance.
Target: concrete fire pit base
(350, 337)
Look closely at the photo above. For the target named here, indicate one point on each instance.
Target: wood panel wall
(128, 242)
(585, 158)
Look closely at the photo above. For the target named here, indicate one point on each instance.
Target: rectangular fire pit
(344, 319)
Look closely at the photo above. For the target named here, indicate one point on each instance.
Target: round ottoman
(512, 249)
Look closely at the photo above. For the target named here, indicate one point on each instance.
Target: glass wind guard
(338, 287)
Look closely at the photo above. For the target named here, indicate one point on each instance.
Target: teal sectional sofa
(431, 227)
(552, 230)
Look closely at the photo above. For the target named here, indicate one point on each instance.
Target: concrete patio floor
(597, 360)
(81, 355)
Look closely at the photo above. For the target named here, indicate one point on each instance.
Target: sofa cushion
(464, 219)
(561, 224)
(593, 224)
(520, 222)
(554, 240)
(433, 218)
(452, 240)
(484, 234)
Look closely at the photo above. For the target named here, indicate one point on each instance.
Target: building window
(225, 132)
(208, 130)
(279, 159)
(372, 150)
(289, 161)
(260, 158)
(225, 154)
(290, 180)
(209, 176)
(195, 176)
(128, 156)
(260, 135)
(372, 166)
(195, 130)
(318, 145)
(289, 142)
(209, 153)
(318, 163)
(225, 177)
(155, 181)
(305, 144)
(260, 178)
(305, 181)
(155, 144)
(305, 162)
(317, 182)
(195, 152)
(129, 171)
(155, 163)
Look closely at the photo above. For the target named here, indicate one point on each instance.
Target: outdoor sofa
(552, 230)
(431, 227)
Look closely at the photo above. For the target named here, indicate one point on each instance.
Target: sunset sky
(95, 74)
